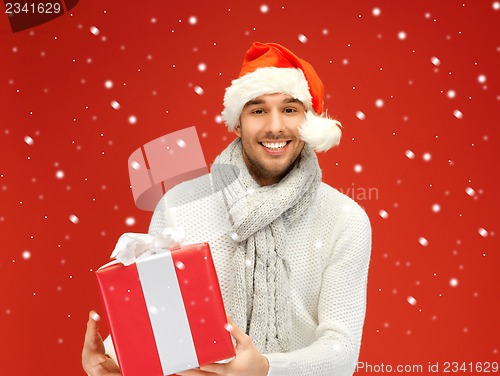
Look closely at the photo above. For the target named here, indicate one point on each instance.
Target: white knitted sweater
(328, 251)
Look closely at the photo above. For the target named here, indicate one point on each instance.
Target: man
(293, 258)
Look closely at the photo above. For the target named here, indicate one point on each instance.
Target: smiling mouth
(274, 145)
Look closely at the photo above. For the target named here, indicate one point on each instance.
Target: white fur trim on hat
(267, 80)
(322, 133)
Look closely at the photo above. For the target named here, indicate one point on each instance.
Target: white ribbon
(131, 246)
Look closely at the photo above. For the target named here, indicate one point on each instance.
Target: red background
(52, 83)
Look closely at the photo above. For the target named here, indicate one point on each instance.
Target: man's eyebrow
(253, 101)
(292, 100)
(261, 101)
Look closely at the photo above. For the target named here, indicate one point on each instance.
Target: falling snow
(73, 218)
(471, 192)
(360, 115)
(181, 143)
(383, 214)
(198, 90)
(115, 105)
(120, 93)
(423, 241)
(411, 300)
(409, 154)
(135, 165)
(458, 114)
(435, 61)
(483, 232)
(94, 30)
(28, 140)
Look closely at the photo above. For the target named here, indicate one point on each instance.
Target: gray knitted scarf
(259, 217)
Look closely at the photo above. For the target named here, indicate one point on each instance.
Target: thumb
(236, 332)
(92, 337)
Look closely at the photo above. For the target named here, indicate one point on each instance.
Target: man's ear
(237, 130)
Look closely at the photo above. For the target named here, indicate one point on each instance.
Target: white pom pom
(321, 133)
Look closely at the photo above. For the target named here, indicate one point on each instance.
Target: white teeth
(274, 145)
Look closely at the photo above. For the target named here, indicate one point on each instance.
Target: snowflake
(409, 154)
(360, 115)
(383, 214)
(435, 61)
(458, 114)
(198, 90)
(423, 241)
(94, 30)
(115, 105)
(73, 218)
(411, 300)
(181, 143)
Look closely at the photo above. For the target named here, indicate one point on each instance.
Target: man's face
(269, 131)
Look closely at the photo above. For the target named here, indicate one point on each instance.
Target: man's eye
(258, 111)
(290, 110)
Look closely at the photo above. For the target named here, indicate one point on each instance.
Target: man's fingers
(92, 333)
(96, 359)
(215, 368)
(236, 332)
(192, 372)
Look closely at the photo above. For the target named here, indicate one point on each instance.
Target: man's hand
(94, 360)
(248, 361)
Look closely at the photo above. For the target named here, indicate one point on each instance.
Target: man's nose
(275, 122)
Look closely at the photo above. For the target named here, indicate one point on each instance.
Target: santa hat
(270, 68)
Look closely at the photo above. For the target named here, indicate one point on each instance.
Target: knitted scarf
(259, 217)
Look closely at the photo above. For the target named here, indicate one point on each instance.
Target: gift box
(165, 312)
(161, 164)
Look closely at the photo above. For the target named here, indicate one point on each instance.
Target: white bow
(131, 246)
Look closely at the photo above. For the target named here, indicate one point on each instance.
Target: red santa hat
(270, 68)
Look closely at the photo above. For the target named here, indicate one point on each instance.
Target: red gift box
(165, 312)
(163, 163)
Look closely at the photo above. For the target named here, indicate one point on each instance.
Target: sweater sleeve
(341, 307)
